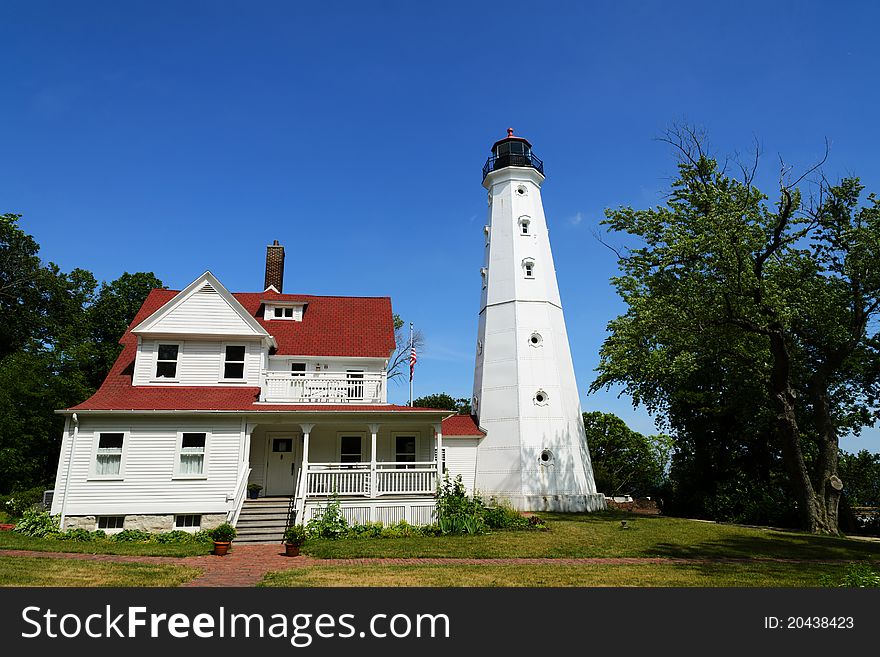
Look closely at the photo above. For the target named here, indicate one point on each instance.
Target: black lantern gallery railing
(496, 162)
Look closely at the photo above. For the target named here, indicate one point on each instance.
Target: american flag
(412, 361)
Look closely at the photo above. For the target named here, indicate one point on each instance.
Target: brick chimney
(274, 266)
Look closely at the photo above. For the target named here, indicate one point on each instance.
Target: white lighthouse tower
(525, 395)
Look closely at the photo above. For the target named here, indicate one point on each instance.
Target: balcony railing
(325, 387)
(496, 162)
(353, 479)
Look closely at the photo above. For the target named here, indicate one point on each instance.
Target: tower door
(284, 456)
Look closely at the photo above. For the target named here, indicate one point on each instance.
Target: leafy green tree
(442, 400)
(792, 288)
(625, 461)
(58, 339)
(861, 474)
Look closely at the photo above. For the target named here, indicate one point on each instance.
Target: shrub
(203, 536)
(456, 512)
(132, 536)
(17, 502)
(224, 532)
(295, 535)
(176, 536)
(857, 575)
(81, 535)
(37, 523)
(330, 523)
(369, 530)
(503, 516)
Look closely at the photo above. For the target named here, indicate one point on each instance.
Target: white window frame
(93, 464)
(178, 451)
(296, 312)
(163, 379)
(345, 434)
(525, 224)
(223, 362)
(109, 530)
(528, 265)
(192, 529)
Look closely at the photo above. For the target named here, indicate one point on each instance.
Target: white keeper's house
(214, 391)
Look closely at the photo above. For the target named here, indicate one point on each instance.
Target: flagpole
(410, 367)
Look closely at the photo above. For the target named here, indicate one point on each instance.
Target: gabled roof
(213, 303)
(357, 327)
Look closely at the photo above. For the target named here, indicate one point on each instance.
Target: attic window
(284, 311)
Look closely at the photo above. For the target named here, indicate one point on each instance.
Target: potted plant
(294, 537)
(254, 491)
(223, 535)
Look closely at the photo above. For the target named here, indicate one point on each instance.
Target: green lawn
(13, 541)
(600, 535)
(766, 574)
(37, 571)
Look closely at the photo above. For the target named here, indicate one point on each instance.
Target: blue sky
(178, 137)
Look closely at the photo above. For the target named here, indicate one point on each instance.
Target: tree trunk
(826, 483)
(782, 396)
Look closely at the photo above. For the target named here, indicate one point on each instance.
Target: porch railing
(402, 477)
(324, 479)
(353, 479)
(324, 387)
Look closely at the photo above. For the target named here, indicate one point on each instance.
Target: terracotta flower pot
(291, 550)
(221, 548)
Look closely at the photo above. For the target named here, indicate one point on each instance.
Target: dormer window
(166, 361)
(287, 311)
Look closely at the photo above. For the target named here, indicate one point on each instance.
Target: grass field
(36, 571)
(766, 574)
(13, 541)
(601, 535)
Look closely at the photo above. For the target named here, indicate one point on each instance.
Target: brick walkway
(246, 565)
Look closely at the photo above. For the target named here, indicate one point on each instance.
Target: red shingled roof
(331, 326)
(461, 425)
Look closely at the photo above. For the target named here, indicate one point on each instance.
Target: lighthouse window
(541, 398)
(535, 340)
(529, 268)
(524, 223)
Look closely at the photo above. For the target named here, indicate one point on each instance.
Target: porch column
(374, 482)
(303, 475)
(439, 432)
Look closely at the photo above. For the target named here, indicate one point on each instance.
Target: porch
(384, 471)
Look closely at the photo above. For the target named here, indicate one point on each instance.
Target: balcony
(324, 387)
(527, 159)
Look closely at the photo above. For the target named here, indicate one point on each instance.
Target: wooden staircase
(262, 520)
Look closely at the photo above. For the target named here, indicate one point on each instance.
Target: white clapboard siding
(199, 363)
(148, 484)
(204, 312)
(461, 459)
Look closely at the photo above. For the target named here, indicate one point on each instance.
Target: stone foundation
(89, 523)
(143, 522)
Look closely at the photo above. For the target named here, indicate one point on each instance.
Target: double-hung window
(404, 451)
(108, 459)
(191, 458)
(233, 362)
(166, 361)
(350, 449)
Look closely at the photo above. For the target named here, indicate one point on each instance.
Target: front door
(283, 461)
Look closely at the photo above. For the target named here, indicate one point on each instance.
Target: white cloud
(576, 219)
